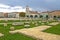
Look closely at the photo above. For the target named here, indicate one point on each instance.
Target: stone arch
(58, 17)
(36, 16)
(27, 15)
(47, 16)
(54, 17)
(31, 16)
(41, 16)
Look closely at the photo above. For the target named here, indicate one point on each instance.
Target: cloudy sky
(39, 5)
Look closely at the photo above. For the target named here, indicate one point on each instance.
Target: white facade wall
(33, 15)
(44, 14)
(11, 15)
(17, 15)
(1, 15)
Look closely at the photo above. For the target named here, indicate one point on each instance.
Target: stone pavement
(1, 34)
(54, 23)
(37, 33)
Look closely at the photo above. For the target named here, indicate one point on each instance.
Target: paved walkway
(54, 23)
(37, 33)
(1, 34)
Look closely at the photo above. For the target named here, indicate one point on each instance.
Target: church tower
(27, 9)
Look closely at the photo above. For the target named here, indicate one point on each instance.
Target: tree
(22, 14)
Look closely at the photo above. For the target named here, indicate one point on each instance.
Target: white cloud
(4, 6)
(30, 9)
(18, 7)
(7, 8)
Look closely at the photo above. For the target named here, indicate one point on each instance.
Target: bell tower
(27, 9)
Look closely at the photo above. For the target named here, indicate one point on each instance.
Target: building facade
(55, 14)
(32, 14)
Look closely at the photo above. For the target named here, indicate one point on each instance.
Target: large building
(54, 14)
(32, 14)
(9, 15)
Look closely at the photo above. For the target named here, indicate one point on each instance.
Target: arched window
(58, 16)
(31, 16)
(41, 16)
(46, 16)
(55, 17)
(27, 15)
(36, 16)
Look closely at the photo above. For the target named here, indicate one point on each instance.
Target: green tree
(22, 14)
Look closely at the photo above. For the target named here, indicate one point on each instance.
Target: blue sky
(35, 4)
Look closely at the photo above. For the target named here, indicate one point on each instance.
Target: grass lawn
(17, 36)
(8, 36)
(54, 30)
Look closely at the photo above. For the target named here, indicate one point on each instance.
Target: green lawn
(54, 30)
(17, 36)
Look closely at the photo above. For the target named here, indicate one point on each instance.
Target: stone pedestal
(5, 24)
(12, 28)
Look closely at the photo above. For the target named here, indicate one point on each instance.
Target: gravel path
(37, 33)
(54, 23)
(1, 34)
